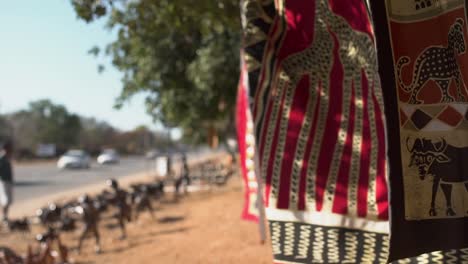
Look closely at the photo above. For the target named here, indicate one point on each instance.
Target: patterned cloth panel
(246, 146)
(317, 109)
(295, 242)
(318, 119)
(423, 66)
(448, 117)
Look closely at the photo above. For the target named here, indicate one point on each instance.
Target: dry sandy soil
(203, 227)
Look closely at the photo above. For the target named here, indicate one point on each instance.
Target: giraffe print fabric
(317, 110)
(341, 95)
(318, 113)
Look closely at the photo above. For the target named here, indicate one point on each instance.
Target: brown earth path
(203, 227)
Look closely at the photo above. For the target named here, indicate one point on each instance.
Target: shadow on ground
(170, 219)
(32, 183)
(149, 238)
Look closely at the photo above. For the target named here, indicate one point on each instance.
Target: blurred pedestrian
(6, 178)
(185, 172)
(169, 171)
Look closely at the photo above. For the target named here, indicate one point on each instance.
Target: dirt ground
(203, 227)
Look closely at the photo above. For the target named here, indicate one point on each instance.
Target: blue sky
(44, 54)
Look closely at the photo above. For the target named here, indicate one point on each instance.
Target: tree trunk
(213, 138)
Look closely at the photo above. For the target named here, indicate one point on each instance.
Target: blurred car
(108, 156)
(152, 154)
(74, 159)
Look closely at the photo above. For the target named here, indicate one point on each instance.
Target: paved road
(36, 180)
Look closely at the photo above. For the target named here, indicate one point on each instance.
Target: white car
(74, 159)
(152, 154)
(108, 156)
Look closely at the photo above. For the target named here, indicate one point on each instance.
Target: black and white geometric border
(301, 243)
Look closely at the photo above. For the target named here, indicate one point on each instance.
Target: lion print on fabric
(433, 119)
(439, 64)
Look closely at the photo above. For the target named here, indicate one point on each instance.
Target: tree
(5, 128)
(183, 54)
(140, 140)
(24, 129)
(55, 124)
(96, 134)
(44, 122)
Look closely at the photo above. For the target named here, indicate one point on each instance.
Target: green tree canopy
(183, 54)
(45, 122)
(54, 123)
(96, 134)
(5, 129)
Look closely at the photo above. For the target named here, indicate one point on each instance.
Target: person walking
(185, 173)
(6, 178)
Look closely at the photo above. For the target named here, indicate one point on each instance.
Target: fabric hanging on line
(246, 146)
(317, 109)
(423, 66)
(318, 120)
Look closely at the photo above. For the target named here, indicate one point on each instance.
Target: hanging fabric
(423, 66)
